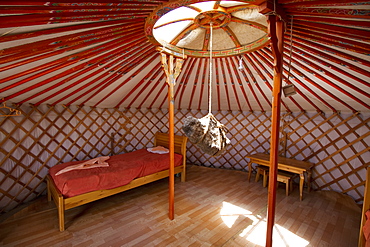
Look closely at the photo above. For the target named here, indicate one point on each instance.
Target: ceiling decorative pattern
(97, 53)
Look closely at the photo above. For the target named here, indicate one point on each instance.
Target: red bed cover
(122, 169)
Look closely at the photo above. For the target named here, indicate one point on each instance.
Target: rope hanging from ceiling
(207, 133)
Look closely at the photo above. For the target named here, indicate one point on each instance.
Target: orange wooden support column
(171, 122)
(276, 31)
(171, 73)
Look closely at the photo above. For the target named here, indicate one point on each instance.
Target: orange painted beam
(172, 72)
(171, 123)
(276, 32)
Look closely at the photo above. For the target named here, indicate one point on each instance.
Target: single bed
(125, 171)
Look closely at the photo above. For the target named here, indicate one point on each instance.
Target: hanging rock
(207, 133)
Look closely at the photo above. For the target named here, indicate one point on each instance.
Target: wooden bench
(287, 178)
(284, 164)
(282, 176)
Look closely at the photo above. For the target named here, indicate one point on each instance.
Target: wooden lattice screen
(44, 136)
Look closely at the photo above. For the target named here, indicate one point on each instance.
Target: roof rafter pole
(105, 83)
(332, 41)
(270, 65)
(67, 42)
(184, 81)
(69, 3)
(172, 73)
(152, 90)
(343, 43)
(241, 86)
(195, 81)
(67, 9)
(152, 74)
(333, 21)
(307, 47)
(161, 89)
(330, 50)
(328, 65)
(290, 3)
(357, 34)
(222, 64)
(261, 76)
(95, 63)
(263, 57)
(312, 92)
(204, 79)
(204, 82)
(349, 13)
(265, 50)
(5, 24)
(91, 75)
(309, 90)
(249, 72)
(276, 32)
(19, 36)
(25, 20)
(322, 89)
(46, 81)
(57, 64)
(137, 61)
(233, 83)
(217, 74)
(56, 51)
(337, 78)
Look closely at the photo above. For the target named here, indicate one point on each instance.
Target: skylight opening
(238, 28)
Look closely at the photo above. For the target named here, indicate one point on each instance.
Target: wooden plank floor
(213, 208)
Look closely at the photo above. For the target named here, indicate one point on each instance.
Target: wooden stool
(287, 178)
(262, 170)
(282, 176)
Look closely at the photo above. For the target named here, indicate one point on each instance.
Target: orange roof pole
(276, 32)
(172, 72)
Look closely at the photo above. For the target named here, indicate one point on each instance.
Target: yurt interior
(185, 123)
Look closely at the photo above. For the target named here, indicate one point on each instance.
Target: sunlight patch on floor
(256, 232)
(230, 213)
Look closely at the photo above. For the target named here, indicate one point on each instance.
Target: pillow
(88, 164)
(158, 150)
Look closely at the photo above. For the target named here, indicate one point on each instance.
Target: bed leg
(183, 174)
(61, 213)
(48, 189)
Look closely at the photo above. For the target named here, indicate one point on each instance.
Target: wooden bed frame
(365, 207)
(161, 139)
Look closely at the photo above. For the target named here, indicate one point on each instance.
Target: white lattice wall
(44, 136)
